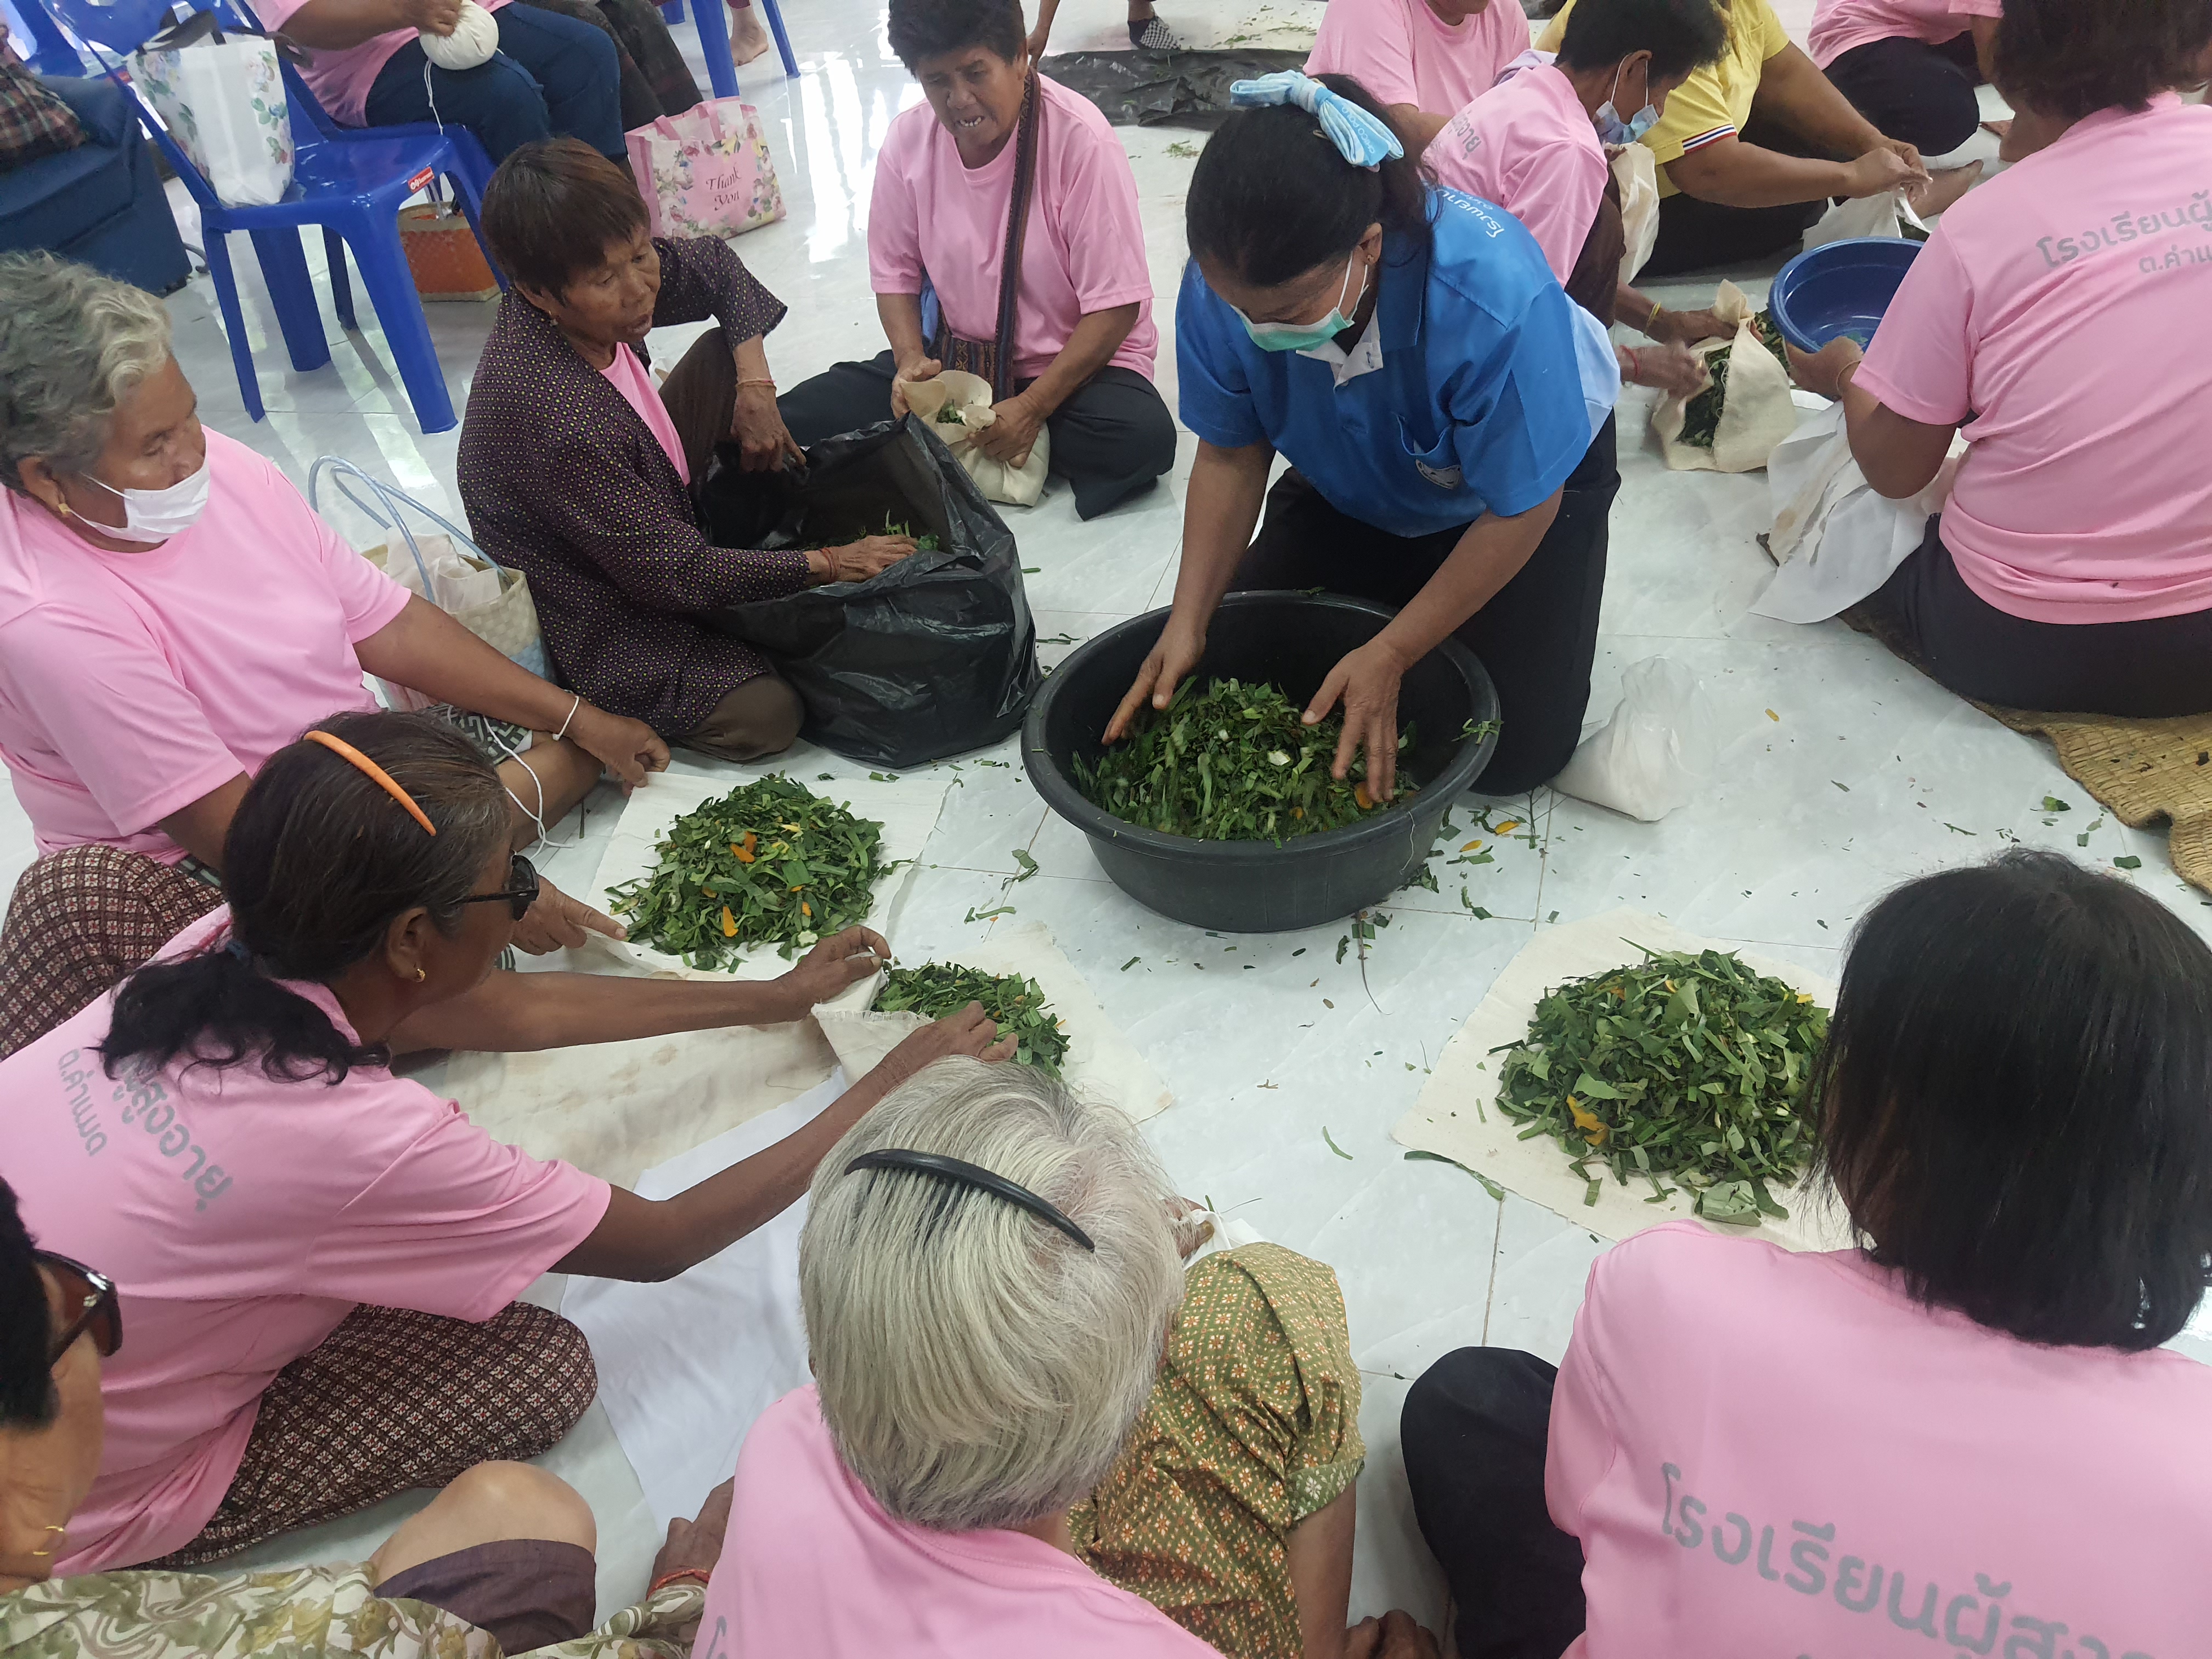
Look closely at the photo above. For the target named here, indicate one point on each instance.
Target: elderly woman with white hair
(1031, 1432)
(172, 613)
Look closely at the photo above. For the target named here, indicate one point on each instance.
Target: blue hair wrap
(1359, 137)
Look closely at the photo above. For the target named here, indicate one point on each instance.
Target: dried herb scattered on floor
(1231, 763)
(1701, 416)
(938, 989)
(770, 863)
(1687, 1068)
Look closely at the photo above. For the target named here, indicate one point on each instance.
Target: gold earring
(422, 973)
(48, 1555)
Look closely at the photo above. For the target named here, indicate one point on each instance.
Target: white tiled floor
(1865, 774)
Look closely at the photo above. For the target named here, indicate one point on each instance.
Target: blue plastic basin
(1838, 288)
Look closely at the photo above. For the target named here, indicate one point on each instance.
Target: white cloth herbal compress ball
(474, 39)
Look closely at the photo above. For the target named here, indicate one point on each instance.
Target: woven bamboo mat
(2140, 771)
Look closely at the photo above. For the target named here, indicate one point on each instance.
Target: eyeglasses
(520, 894)
(93, 1297)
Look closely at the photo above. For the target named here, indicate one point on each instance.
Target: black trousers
(1910, 90)
(1695, 235)
(1110, 441)
(1474, 1427)
(1536, 636)
(2158, 668)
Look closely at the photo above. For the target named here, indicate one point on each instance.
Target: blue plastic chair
(351, 185)
(715, 41)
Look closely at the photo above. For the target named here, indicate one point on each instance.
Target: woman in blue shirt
(1409, 352)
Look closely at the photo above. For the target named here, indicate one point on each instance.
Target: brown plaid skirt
(80, 919)
(392, 1400)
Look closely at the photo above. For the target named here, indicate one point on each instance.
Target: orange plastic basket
(442, 254)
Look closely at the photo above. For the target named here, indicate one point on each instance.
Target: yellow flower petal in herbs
(1508, 827)
(1359, 793)
(1472, 847)
(1589, 1123)
(729, 923)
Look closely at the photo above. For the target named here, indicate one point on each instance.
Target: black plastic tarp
(1164, 88)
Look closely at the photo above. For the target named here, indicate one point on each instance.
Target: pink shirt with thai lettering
(133, 683)
(1771, 1453)
(340, 77)
(1084, 250)
(630, 377)
(812, 1565)
(2067, 306)
(1404, 53)
(1529, 146)
(242, 1218)
(1838, 26)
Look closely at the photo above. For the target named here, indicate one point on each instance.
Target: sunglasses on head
(521, 892)
(89, 1305)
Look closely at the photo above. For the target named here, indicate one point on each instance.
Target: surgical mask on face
(1305, 337)
(1614, 131)
(152, 516)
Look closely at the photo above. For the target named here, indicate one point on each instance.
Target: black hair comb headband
(971, 1175)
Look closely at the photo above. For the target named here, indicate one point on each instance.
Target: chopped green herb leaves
(936, 989)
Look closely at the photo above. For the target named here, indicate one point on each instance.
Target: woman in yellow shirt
(1751, 149)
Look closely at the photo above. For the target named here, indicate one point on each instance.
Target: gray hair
(978, 1368)
(74, 344)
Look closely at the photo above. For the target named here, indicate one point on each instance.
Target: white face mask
(152, 516)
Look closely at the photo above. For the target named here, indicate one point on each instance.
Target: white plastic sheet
(1101, 1062)
(686, 1367)
(1456, 1115)
(907, 806)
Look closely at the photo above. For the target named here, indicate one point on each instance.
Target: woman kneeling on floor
(172, 613)
(575, 468)
(318, 1260)
(2071, 569)
(1031, 1431)
(1004, 239)
(1757, 1452)
(503, 1552)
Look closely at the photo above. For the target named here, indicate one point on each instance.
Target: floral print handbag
(706, 172)
(221, 97)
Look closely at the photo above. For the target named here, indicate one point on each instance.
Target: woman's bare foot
(1944, 189)
(748, 40)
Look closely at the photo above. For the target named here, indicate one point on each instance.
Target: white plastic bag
(223, 100)
(450, 571)
(1657, 750)
(957, 406)
(1835, 539)
(1887, 215)
(1757, 410)
(1639, 177)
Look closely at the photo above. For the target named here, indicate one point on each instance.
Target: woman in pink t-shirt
(1422, 59)
(172, 612)
(1067, 344)
(1964, 1436)
(2060, 317)
(1909, 66)
(1031, 1432)
(577, 469)
(318, 1259)
(1535, 144)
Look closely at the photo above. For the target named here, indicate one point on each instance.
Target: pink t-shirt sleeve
(459, 1224)
(1921, 362)
(1555, 194)
(894, 225)
(1584, 1437)
(1367, 40)
(143, 748)
(367, 597)
(1106, 261)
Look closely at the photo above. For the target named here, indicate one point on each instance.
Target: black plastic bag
(935, 656)
(1154, 88)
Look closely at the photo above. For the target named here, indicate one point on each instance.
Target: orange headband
(340, 747)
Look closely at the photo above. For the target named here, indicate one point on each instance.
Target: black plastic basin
(1293, 641)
